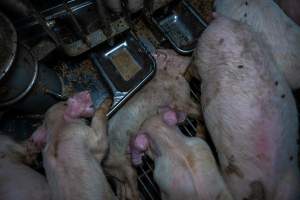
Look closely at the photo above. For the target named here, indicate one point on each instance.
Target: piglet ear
(170, 118)
(39, 137)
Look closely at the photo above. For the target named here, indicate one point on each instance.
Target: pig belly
(249, 111)
(19, 182)
(255, 133)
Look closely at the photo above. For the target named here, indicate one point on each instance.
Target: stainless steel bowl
(8, 44)
(20, 78)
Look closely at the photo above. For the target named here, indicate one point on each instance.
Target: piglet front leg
(98, 142)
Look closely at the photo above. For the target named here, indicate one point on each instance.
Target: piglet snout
(80, 105)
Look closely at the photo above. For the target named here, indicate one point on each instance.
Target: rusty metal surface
(204, 7)
(78, 47)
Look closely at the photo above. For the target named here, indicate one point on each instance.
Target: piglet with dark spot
(280, 32)
(249, 111)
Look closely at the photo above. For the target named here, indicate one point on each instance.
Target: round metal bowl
(8, 44)
(20, 79)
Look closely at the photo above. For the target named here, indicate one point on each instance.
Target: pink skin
(140, 143)
(249, 111)
(184, 166)
(168, 87)
(79, 105)
(39, 137)
(172, 117)
(279, 31)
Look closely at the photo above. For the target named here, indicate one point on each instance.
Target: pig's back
(72, 170)
(278, 30)
(248, 108)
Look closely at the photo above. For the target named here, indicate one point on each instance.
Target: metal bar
(43, 23)
(78, 27)
(145, 188)
(191, 124)
(149, 179)
(195, 96)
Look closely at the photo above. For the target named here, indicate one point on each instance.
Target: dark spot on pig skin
(221, 41)
(246, 3)
(165, 68)
(240, 66)
(257, 191)
(276, 83)
(2, 155)
(245, 15)
(233, 169)
(283, 96)
(291, 158)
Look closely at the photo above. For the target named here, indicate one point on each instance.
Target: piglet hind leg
(98, 140)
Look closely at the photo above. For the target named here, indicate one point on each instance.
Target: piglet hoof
(106, 105)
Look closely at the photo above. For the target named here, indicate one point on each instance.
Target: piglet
(168, 87)
(249, 111)
(17, 179)
(281, 34)
(73, 151)
(184, 166)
